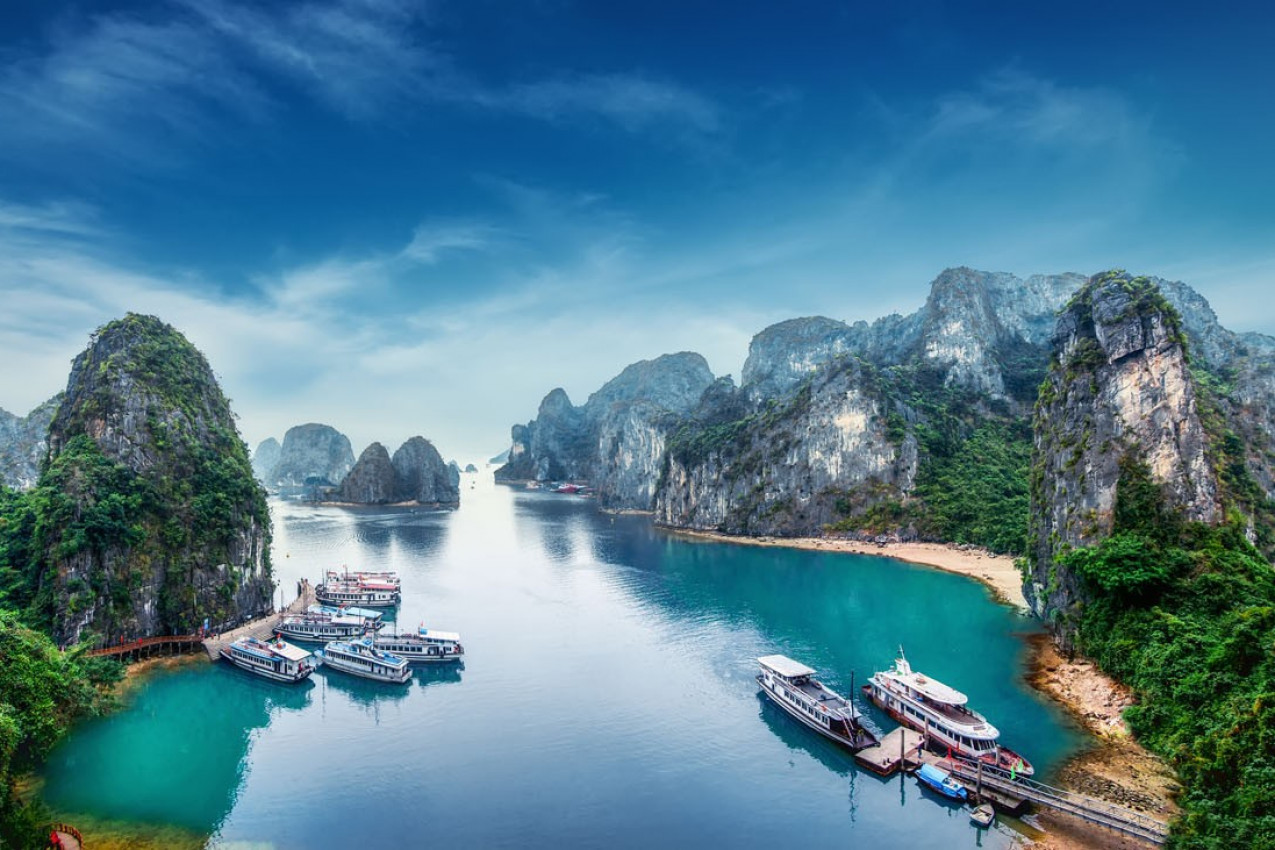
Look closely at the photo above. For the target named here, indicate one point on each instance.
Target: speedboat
(941, 714)
(793, 687)
(274, 659)
(937, 779)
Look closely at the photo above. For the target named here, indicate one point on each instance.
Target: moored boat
(983, 815)
(423, 645)
(275, 659)
(366, 594)
(322, 627)
(941, 714)
(362, 658)
(347, 611)
(379, 576)
(937, 779)
(792, 686)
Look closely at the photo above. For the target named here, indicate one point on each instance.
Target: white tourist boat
(941, 714)
(348, 611)
(321, 626)
(793, 687)
(362, 658)
(423, 645)
(275, 659)
(378, 576)
(365, 594)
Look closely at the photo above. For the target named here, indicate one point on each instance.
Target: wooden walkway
(149, 647)
(994, 783)
(900, 748)
(262, 628)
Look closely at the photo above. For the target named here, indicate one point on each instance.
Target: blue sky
(418, 217)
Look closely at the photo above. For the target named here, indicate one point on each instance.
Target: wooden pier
(995, 785)
(262, 628)
(901, 749)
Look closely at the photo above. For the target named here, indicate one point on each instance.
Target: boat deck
(902, 748)
(823, 697)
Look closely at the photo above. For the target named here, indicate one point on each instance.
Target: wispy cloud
(139, 86)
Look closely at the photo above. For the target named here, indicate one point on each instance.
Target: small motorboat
(983, 815)
(940, 781)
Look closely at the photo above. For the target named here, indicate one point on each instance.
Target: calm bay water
(607, 696)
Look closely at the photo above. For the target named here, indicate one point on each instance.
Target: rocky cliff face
(421, 476)
(24, 443)
(312, 454)
(1120, 389)
(155, 521)
(371, 481)
(784, 470)
(616, 439)
(265, 459)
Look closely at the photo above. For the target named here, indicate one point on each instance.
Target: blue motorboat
(937, 779)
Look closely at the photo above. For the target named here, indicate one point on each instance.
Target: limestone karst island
(559, 426)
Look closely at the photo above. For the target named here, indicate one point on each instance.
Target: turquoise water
(607, 696)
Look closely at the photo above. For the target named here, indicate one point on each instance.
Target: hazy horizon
(405, 218)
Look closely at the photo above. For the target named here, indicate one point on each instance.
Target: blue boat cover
(932, 774)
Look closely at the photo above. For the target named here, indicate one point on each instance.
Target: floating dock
(901, 749)
(263, 628)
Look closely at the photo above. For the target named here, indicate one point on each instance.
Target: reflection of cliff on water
(555, 522)
(178, 755)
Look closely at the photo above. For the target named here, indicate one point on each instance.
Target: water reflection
(139, 756)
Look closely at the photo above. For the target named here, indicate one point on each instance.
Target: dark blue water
(607, 697)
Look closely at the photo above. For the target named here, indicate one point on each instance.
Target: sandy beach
(997, 572)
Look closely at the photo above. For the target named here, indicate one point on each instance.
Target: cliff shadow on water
(130, 769)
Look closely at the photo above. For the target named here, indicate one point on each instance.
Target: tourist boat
(270, 659)
(347, 611)
(322, 626)
(367, 594)
(423, 645)
(941, 714)
(378, 576)
(361, 658)
(937, 779)
(793, 687)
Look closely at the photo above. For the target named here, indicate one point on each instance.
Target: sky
(405, 217)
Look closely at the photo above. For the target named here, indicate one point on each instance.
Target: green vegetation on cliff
(1185, 614)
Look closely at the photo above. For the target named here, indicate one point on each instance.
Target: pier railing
(147, 646)
(1089, 809)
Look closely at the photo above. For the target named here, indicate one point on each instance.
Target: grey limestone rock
(266, 458)
(24, 442)
(421, 476)
(371, 481)
(312, 454)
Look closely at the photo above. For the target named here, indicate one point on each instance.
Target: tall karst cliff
(151, 520)
(616, 439)
(1136, 390)
(311, 454)
(415, 474)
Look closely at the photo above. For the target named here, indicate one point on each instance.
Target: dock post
(978, 788)
(903, 747)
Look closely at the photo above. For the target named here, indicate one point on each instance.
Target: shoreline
(998, 573)
(1115, 767)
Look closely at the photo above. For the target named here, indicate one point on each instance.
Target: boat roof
(933, 773)
(785, 666)
(290, 652)
(930, 688)
(346, 610)
(435, 633)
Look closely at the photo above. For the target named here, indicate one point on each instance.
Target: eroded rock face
(616, 439)
(783, 472)
(371, 481)
(266, 458)
(1121, 386)
(24, 443)
(312, 454)
(421, 476)
(164, 524)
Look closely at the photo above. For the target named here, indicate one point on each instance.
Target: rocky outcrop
(24, 443)
(785, 470)
(312, 454)
(155, 522)
(469, 467)
(1120, 388)
(421, 476)
(616, 439)
(371, 481)
(265, 459)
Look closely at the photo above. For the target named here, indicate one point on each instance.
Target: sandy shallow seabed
(1117, 768)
